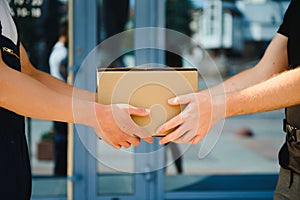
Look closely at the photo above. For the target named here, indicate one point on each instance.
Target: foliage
(178, 15)
(48, 136)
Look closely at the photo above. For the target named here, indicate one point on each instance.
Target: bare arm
(20, 92)
(273, 62)
(277, 92)
(51, 82)
(26, 96)
(262, 88)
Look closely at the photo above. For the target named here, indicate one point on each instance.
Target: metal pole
(149, 14)
(70, 151)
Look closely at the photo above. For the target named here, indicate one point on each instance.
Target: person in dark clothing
(115, 16)
(26, 91)
(272, 84)
(178, 18)
(58, 62)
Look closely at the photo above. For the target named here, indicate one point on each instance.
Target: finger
(165, 140)
(138, 111)
(135, 141)
(182, 99)
(149, 140)
(185, 138)
(126, 144)
(138, 131)
(132, 127)
(172, 123)
(196, 139)
(173, 136)
(127, 125)
(116, 146)
(104, 138)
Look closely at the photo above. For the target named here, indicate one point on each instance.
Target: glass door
(99, 171)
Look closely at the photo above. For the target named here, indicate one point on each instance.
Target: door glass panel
(112, 169)
(34, 19)
(244, 148)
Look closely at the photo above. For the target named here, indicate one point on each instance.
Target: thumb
(138, 111)
(182, 99)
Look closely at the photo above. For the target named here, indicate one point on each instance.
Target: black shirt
(289, 155)
(15, 172)
(291, 28)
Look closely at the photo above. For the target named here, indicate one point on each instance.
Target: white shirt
(9, 29)
(58, 55)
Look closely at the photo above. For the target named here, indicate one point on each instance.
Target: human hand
(201, 113)
(116, 126)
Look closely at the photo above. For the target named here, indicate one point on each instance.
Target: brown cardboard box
(148, 88)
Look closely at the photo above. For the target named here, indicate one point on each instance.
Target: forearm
(63, 88)
(247, 78)
(28, 97)
(275, 93)
(238, 82)
(51, 82)
(273, 62)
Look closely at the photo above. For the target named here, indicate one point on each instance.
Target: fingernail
(170, 100)
(173, 100)
(158, 130)
(161, 142)
(151, 141)
(147, 110)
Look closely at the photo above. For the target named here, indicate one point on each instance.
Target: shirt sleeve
(288, 17)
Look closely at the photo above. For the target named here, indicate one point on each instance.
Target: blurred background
(242, 164)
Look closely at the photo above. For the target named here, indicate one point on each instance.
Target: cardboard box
(148, 88)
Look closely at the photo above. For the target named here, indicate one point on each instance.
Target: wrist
(220, 105)
(84, 112)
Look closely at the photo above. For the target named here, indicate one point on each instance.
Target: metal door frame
(82, 180)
